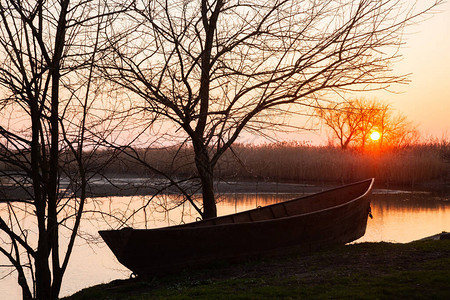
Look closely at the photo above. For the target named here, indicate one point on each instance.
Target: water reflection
(407, 217)
(400, 218)
(397, 218)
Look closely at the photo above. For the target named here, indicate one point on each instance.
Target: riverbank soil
(416, 270)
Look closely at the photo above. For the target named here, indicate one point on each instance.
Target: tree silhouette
(352, 122)
(214, 69)
(46, 97)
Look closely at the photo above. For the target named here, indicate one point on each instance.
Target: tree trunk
(42, 270)
(43, 277)
(202, 160)
(205, 171)
(209, 200)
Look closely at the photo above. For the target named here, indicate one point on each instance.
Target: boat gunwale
(185, 227)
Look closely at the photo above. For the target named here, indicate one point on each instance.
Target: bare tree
(394, 128)
(344, 121)
(47, 50)
(217, 68)
(352, 122)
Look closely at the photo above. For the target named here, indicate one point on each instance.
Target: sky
(426, 54)
(425, 101)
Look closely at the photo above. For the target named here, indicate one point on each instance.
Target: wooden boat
(336, 216)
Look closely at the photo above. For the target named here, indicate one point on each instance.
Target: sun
(375, 136)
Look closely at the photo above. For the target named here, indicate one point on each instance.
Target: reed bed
(291, 162)
(296, 163)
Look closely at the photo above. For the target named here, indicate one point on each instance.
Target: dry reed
(298, 163)
(292, 162)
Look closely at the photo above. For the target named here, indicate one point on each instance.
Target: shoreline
(117, 185)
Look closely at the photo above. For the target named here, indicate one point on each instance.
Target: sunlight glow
(375, 136)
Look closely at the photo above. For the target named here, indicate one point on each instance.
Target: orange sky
(426, 99)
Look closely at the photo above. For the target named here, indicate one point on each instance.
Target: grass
(292, 162)
(417, 270)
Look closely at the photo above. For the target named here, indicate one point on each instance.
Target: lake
(397, 217)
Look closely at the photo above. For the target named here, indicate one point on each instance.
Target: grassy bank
(417, 270)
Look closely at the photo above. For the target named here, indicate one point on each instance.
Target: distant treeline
(290, 162)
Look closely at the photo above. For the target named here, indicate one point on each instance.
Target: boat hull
(158, 251)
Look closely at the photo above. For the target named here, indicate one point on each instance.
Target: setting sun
(375, 136)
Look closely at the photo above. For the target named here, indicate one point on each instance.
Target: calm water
(398, 217)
